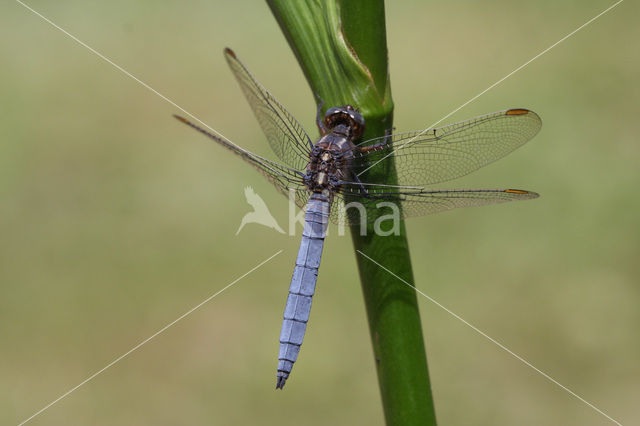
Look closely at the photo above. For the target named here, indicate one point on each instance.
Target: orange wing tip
(522, 192)
(229, 52)
(182, 119)
(517, 111)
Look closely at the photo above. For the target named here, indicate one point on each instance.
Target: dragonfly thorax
(329, 162)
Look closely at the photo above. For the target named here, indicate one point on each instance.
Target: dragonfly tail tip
(280, 382)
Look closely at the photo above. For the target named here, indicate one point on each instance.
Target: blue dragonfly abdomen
(303, 284)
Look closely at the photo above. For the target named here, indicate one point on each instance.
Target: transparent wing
(445, 153)
(411, 201)
(300, 196)
(284, 178)
(286, 136)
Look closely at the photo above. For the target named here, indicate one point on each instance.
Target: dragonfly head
(346, 116)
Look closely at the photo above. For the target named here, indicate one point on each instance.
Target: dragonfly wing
(284, 178)
(438, 155)
(286, 136)
(410, 201)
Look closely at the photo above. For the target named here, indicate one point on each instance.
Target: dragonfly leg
(380, 145)
(388, 133)
(319, 118)
(357, 180)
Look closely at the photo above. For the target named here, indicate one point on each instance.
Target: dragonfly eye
(345, 115)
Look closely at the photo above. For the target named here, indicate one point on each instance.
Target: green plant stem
(341, 47)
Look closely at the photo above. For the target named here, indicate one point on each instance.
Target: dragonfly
(324, 177)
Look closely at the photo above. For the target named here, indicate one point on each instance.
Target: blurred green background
(115, 219)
